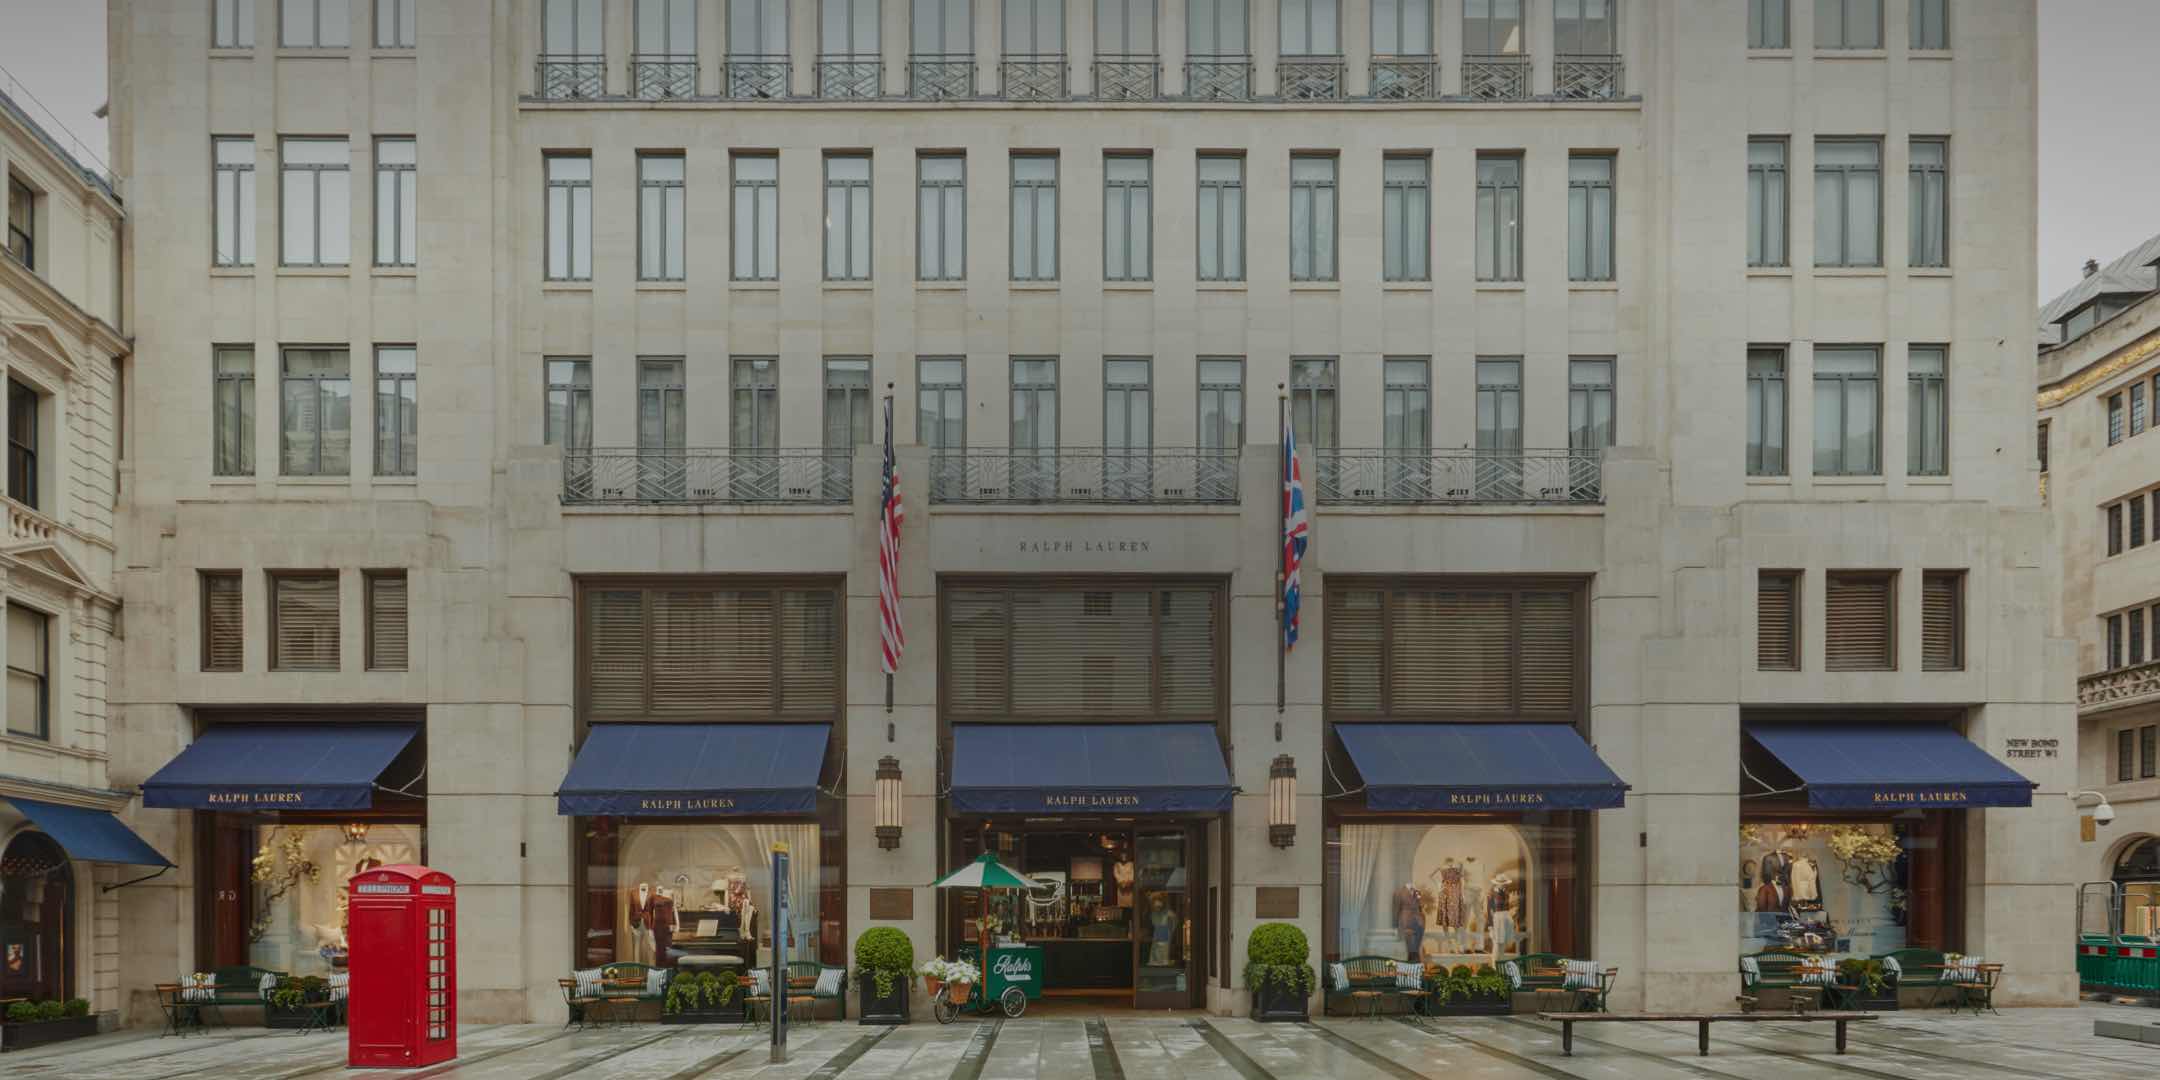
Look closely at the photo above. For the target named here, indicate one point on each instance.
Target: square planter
(1278, 1004)
(25, 1036)
(890, 1010)
(1498, 1006)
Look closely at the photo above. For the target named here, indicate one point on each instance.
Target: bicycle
(945, 1004)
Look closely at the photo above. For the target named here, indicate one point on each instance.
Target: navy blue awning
(279, 767)
(1890, 766)
(1477, 768)
(1088, 769)
(88, 834)
(696, 769)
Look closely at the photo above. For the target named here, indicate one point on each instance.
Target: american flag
(1293, 520)
(895, 638)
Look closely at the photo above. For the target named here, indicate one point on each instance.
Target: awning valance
(1088, 769)
(1890, 766)
(89, 834)
(1479, 768)
(695, 770)
(279, 766)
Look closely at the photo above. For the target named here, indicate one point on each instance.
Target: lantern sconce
(1282, 801)
(356, 832)
(888, 802)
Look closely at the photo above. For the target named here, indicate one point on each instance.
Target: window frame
(1760, 414)
(2148, 751)
(753, 381)
(43, 674)
(2114, 624)
(240, 215)
(316, 382)
(236, 16)
(316, 8)
(1611, 23)
(1761, 178)
(2126, 754)
(2115, 416)
(22, 231)
(1888, 580)
(1491, 22)
(1125, 25)
(776, 587)
(1203, 186)
(1495, 439)
(1507, 243)
(1035, 25)
(1311, 190)
(855, 49)
(1393, 11)
(405, 21)
(1958, 581)
(577, 398)
(1588, 394)
(849, 393)
(757, 228)
(1845, 26)
(1391, 587)
(1121, 191)
(955, 707)
(574, 238)
(676, 245)
(1760, 24)
(240, 387)
(1589, 189)
(213, 582)
(1846, 177)
(846, 229)
(1845, 382)
(945, 189)
(278, 578)
(1332, 24)
(1225, 394)
(404, 207)
(1928, 210)
(372, 581)
(2111, 523)
(1923, 389)
(1211, 12)
(1790, 580)
(397, 382)
(25, 455)
(1035, 187)
(314, 172)
(1917, 38)
(1308, 395)
(1395, 199)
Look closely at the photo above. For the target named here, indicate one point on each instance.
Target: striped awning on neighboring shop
(1479, 768)
(88, 833)
(279, 766)
(1062, 769)
(696, 770)
(1890, 766)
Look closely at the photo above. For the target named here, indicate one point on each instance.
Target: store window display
(699, 895)
(1845, 887)
(1452, 893)
(297, 876)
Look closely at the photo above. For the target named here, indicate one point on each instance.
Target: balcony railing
(1219, 78)
(1128, 78)
(660, 76)
(1025, 77)
(1586, 78)
(1496, 78)
(1309, 78)
(1161, 476)
(941, 76)
(755, 77)
(571, 75)
(850, 76)
(1412, 477)
(2134, 685)
(707, 477)
(1405, 78)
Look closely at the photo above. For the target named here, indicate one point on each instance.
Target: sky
(2099, 161)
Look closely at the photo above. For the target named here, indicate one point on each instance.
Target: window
(1128, 218)
(943, 30)
(757, 217)
(1768, 24)
(1222, 407)
(314, 24)
(1402, 28)
(1859, 627)
(572, 49)
(1034, 28)
(1406, 405)
(1310, 28)
(568, 422)
(1927, 403)
(1492, 28)
(1034, 217)
(569, 217)
(711, 650)
(1848, 405)
(665, 63)
(1312, 217)
(847, 403)
(315, 421)
(29, 661)
(848, 29)
(223, 635)
(395, 24)
(1942, 621)
(22, 478)
(1766, 202)
(386, 621)
(1405, 213)
(1499, 218)
(1848, 202)
(1222, 217)
(232, 24)
(1848, 24)
(2125, 754)
(304, 622)
(941, 223)
(2115, 418)
(397, 411)
(1125, 28)
(2148, 744)
(2134, 637)
(1930, 24)
(1312, 403)
(1930, 217)
(2114, 641)
(1766, 412)
(318, 202)
(1030, 652)
(397, 186)
(1128, 427)
(1215, 28)
(941, 421)
(2137, 521)
(660, 217)
(1590, 402)
(660, 426)
(1777, 620)
(757, 31)
(1416, 649)
(754, 394)
(1585, 28)
(1499, 403)
(22, 222)
(232, 411)
(2113, 524)
(233, 201)
(2137, 407)
(2042, 450)
(847, 217)
(1034, 426)
(1590, 217)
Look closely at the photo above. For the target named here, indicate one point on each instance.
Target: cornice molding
(2100, 371)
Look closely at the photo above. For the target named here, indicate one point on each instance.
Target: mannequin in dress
(1448, 915)
(641, 938)
(1500, 917)
(1410, 920)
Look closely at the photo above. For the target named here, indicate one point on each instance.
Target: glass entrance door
(1165, 972)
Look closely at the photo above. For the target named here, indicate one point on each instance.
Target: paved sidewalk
(2036, 1044)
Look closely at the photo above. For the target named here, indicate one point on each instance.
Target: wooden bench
(1568, 1020)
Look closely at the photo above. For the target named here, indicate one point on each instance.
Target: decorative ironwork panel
(1398, 477)
(757, 77)
(1160, 476)
(1219, 79)
(707, 477)
(1128, 78)
(940, 77)
(1496, 78)
(1586, 78)
(575, 75)
(659, 77)
(1032, 78)
(850, 77)
(1405, 78)
(1309, 78)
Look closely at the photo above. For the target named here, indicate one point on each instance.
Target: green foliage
(1870, 977)
(51, 1010)
(699, 990)
(291, 992)
(77, 1007)
(1276, 958)
(38, 1012)
(1466, 984)
(21, 1012)
(887, 955)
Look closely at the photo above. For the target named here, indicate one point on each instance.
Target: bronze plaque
(892, 905)
(1275, 902)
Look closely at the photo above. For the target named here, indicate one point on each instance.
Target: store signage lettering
(2032, 748)
(1086, 802)
(382, 888)
(1013, 967)
(252, 798)
(1497, 798)
(1067, 547)
(679, 805)
(1890, 797)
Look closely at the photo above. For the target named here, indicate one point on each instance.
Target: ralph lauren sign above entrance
(279, 766)
(693, 770)
(1050, 769)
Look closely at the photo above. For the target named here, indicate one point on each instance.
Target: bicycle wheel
(1013, 1001)
(943, 1007)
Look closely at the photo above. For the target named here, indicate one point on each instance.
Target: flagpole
(881, 525)
(1282, 545)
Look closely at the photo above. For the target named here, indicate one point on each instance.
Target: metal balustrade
(1219, 78)
(1024, 77)
(562, 76)
(707, 477)
(941, 77)
(1405, 78)
(1413, 477)
(1309, 78)
(757, 77)
(850, 76)
(660, 76)
(1128, 78)
(1161, 476)
(1586, 78)
(1496, 78)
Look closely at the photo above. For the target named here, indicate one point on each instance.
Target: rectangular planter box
(1489, 1007)
(888, 1011)
(731, 1013)
(1278, 1006)
(291, 1019)
(25, 1036)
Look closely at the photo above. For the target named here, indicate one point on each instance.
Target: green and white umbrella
(986, 872)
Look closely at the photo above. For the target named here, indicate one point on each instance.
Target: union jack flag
(894, 637)
(1293, 519)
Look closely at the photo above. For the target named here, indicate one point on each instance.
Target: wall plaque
(1275, 902)
(892, 905)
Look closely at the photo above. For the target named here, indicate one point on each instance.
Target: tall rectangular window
(1848, 406)
(2126, 754)
(232, 24)
(314, 24)
(661, 412)
(941, 421)
(568, 421)
(754, 403)
(1125, 28)
(22, 222)
(1312, 217)
(1499, 217)
(223, 624)
(1405, 218)
(304, 622)
(1312, 403)
(397, 194)
(2112, 521)
(1128, 427)
(233, 200)
(1215, 28)
(2136, 505)
(1034, 445)
(1848, 24)
(569, 217)
(232, 410)
(1034, 28)
(1222, 217)
(1930, 24)
(2114, 641)
(2134, 636)
(1930, 214)
(847, 217)
(397, 411)
(1848, 202)
(2114, 418)
(756, 224)
(848, 29)
(1499, 403)
(1406, 404)
(573, 49)
(1777, 620)
(757, 30)
(2137, 407)
(941, 217)
(1310, 28)
(1590, 402)
(23, 442)
(1034, 217)
(1927, 406)
(847, 403)
(1590, 217)
(397, 24)
(1766, 412)
(2148, 751)
(315, 421)
(1859, 621)
(1128, 217)
(29, 663)
(1585, 28)
(661, 225)
(387, 627)
(1402, 27)
(943, 30)
(1766, 202)
(317, 217)
(1492, 27)
(1942, 621)
(1222, 402)
(1769, 24)
(665, 62)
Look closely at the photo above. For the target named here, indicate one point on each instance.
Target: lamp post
(888, 803)
(1282, 801)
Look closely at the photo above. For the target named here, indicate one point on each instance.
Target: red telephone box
(401, 1010)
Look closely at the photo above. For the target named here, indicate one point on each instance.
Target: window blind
(1777, 638)
(1857, 625)
(615, 651)
(1355, 636)
(1412, 651)
(386, 622)
(224, 633)
(1450, 652)
(304, 622)
(1058, 651)
(1941, 622)
(688, 650)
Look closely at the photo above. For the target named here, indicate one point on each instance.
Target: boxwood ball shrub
(1277, 957)
(886, 954)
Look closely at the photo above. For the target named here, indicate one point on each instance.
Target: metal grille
(1405, 78)
(848, 76)
(1496, 78)
(1309, 78)
(757, 77)
(656, 76)
(1159, 475)
(937, 77)
(575, 75)
(1586, 78)
(1220, 78)
(707, 477)
(1397, 477)
(1128, 78)
(1032, 78)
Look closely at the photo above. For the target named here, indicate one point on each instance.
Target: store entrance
(1118, 916)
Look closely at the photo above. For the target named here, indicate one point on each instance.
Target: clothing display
(1452, 892)
(697, 890)
(1410, 920)
(1806, 880)
(1450, 907)
(300, 875)
(1807, 898)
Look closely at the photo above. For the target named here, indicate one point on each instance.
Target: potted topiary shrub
(1863, 984)
(1278, 971)
(35, 1023)
(884, 971)
(703, 997)
(1466, 991)
(286, 1006)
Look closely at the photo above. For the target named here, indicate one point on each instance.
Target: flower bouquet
(937, 971)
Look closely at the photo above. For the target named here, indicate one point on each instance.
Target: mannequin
(1747, 884)
(1410, 920)
(1162, 922)
(1449, 913)
(662, 924)
(1806, 880)
(641, 938)
(1499, 902)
